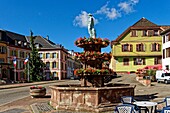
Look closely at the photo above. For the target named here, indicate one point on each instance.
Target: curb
(27, 84)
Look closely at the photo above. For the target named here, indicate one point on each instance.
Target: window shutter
(131, 47)
(143, 47)
(151, 46)
(50, 55)
(159, 47)
(143, 59)
(122, 48)
(137, 47)
(57, 55)
(43, 55)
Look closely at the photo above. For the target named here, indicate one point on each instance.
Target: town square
(84, 56)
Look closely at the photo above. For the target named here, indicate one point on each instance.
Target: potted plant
(37, 91)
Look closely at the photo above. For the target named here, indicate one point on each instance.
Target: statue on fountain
(91, 29)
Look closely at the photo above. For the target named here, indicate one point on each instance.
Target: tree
(35, 63)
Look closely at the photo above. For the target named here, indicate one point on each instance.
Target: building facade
(138, 46)
(72, 64)
(166, 49)
(13, 45)
(54, 57)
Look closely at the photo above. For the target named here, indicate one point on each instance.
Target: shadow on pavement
(146, 97)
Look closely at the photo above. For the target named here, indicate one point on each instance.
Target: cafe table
(147, 104)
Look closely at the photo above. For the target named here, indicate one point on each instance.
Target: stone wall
(88, 98)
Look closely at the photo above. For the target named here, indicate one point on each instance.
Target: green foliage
(152, 74)
(35, 63)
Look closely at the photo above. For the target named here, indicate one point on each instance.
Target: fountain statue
(95, 92)
(91, 29)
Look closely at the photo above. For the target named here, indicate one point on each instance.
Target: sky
(66, 20)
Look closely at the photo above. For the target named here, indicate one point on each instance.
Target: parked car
(163, 76)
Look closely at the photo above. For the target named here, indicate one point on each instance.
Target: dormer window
(16, 42)
(156, 32)
(134, 33)
(19, 42)
(25, 43)
(37, 45)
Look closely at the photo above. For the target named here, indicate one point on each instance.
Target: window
(126, 61)
(139, 61)
(133, 33)
(54, 74)
(54, 65)
(157, 60)
(167, 38)
(140, 47)
(164, 39)
(150, 32)
(14, 53)
(167, 67)
(21, 54)
(156, 33)
(127, 48)
(41, 55)
(47, 55)
(22, 64)
(48, 64)
(54, 55)
(163, 53)
(144, 32)
(1, 60)
(2, 49)
(156, 47)
(167, 52)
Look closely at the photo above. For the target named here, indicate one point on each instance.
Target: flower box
(37, 91)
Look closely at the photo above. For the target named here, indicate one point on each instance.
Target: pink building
(55, 58)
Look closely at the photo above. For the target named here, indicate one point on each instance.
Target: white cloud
(134, 1)
(110, 13)
(127, 6)
(82, 20)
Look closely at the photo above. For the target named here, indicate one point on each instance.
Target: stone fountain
(94, 93)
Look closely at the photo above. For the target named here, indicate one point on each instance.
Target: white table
(146, 104)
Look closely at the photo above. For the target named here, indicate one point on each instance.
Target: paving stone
(15, 110)
(41, 107)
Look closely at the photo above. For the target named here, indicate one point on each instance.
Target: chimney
(47, 37)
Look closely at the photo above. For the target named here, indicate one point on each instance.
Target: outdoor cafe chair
(130, 100)
(166, 100)
(126, 108)
(165, 110)
(127, 99)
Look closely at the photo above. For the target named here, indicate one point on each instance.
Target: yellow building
(138, 46)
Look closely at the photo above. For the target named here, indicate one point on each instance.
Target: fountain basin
(94, 99)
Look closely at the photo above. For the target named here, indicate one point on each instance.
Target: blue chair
(130, 100)
(166, 110)
(166, 101)
(125, 108)
(127, 99)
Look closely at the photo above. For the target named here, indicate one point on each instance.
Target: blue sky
(65, 20)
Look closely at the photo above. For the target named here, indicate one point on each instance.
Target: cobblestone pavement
(156, 92)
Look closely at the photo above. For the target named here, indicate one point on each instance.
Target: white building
(166, 49)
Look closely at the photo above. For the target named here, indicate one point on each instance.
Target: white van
(163, 76)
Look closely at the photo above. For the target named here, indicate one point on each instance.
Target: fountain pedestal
(88, 98)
